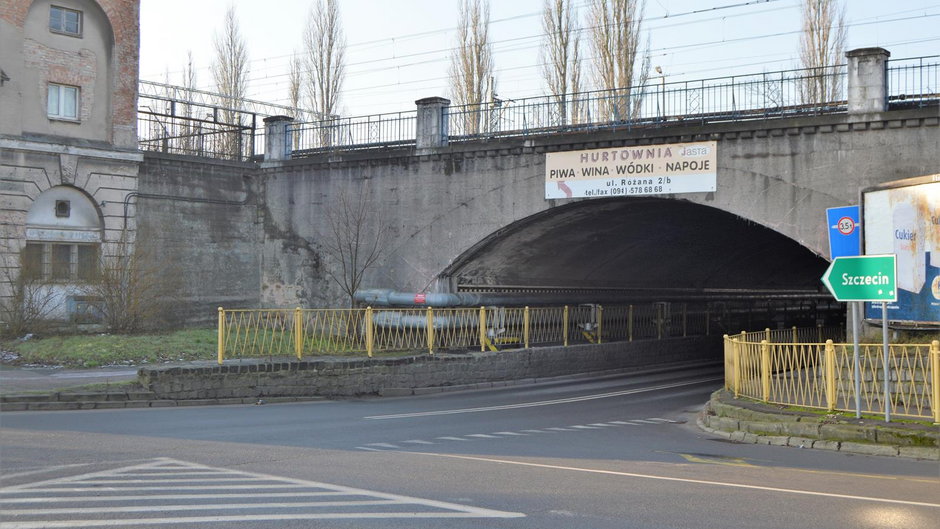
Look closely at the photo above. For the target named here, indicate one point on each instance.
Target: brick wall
(124, 17)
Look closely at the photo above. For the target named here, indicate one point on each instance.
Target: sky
(398, 51)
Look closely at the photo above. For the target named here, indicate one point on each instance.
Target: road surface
(612, 452)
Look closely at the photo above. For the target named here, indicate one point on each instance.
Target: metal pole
(856, 361)
(221, 337)
(887, 369)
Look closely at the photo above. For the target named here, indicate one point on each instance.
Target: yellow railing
(776, 368)
(297, 332)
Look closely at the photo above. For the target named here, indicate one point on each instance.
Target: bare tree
(27, 298)
(615, 38)
(324, 62)
(354, 240)
(136, 288)
(230, 72)
(560, 62)
(189, 130)
(822, 45)
(294, 94)
(471, 64)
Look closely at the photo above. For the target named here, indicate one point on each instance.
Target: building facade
(69, 161)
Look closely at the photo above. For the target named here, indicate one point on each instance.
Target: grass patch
(96, 350)
(115, 349)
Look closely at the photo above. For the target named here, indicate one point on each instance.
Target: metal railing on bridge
(786, 93)
(188, 121)
(808, 368)
(250, 333)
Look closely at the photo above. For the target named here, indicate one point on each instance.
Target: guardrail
(299, 332)
(181, 127)
(789, 367)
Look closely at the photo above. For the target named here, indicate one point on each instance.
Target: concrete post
(867, 80)
(277, 140)
(431, 129)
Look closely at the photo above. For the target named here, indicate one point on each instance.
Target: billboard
(641, 170)
(904, 219)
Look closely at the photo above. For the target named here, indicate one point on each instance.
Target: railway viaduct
(474, 212)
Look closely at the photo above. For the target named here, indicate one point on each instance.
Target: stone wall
(406, 375)
(436, 207)
(199, 217)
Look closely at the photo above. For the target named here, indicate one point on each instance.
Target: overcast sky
(399, 50)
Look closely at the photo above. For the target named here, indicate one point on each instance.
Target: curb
(100, 401)
(734, 422)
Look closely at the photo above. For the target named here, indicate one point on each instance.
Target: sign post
(845, 239)
(844, 231)
(866, 278)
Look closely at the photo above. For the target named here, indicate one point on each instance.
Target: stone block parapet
(749, 422)
(409, 375)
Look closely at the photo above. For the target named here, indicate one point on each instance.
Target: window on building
(65, 21)
(63, 101)
(32, 261)
(60, 261)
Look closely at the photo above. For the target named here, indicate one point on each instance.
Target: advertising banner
(905, 221)
(632, 171)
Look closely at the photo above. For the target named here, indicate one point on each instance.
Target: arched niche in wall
(63, 236)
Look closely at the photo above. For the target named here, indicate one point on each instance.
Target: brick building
(68, 143)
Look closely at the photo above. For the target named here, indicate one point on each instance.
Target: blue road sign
(844, 232)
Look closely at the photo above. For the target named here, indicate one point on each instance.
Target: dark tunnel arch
(638, 243)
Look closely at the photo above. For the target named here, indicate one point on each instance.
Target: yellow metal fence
(782, 367)
(250, 333)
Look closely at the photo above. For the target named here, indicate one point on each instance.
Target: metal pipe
(390, 298)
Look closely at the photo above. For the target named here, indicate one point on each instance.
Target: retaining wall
(414, 374)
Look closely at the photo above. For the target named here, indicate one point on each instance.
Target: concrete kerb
(749, 422)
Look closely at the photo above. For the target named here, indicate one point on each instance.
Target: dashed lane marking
(549, 402)
(87, 500)
(379, 447)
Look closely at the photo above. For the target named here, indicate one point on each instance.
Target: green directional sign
(863, 278)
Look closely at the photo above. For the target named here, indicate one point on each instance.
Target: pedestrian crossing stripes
(379, 447)
(167, 491)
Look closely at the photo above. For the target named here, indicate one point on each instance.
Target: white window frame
(59, 96)
(58, 21)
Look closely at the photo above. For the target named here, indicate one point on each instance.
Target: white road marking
(30, 517)
(600, 424)
(532, 431)
(508, 433)
(559, 429)
(658, 419)
(547, 402)
(370, 449)
(150, 497)
(382, 445)
(625, 423)
(452, 438)
(582, 427)
(482, 436)
(684, 480)
(418, 442)
(641, 421)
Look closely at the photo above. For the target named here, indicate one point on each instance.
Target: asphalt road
(616, 452)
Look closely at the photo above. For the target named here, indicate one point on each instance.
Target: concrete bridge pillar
(868, 80)
(431, 129)
(277, 140)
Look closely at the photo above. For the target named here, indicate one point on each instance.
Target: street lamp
(662, 91)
